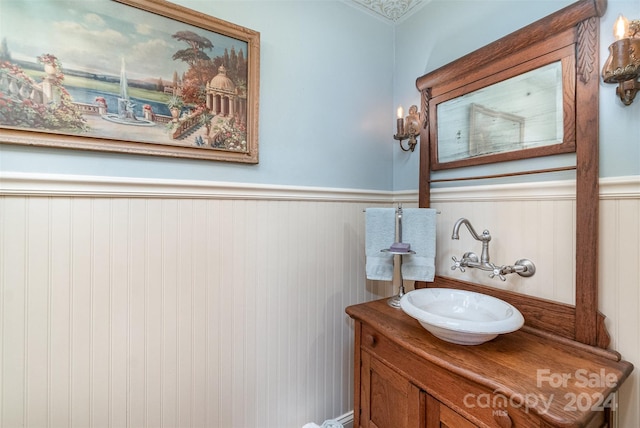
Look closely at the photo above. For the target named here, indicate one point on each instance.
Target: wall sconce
(409, 129)
(623, 65)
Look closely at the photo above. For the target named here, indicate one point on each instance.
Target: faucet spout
(484, 238)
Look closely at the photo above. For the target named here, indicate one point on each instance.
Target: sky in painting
(94, 36)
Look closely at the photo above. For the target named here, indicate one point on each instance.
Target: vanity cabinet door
(440, 416)
(387, 399)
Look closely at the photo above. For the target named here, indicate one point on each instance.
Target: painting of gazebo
(135, 76)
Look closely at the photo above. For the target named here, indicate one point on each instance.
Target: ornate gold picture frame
(133, 76)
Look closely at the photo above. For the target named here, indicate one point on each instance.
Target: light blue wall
(444, 30)
(619, 125)
(331, 79)
(326, 88)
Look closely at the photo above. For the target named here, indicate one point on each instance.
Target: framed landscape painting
(133, 76)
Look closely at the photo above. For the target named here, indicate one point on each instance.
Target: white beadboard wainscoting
(148, 303)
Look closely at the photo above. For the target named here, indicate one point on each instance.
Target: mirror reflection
(519, 113)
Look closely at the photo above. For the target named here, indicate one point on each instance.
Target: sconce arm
(412, 141)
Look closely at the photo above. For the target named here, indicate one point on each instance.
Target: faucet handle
(457, 264)
(497, 271)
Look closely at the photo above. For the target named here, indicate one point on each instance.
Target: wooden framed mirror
(507, 112)
(564, 44)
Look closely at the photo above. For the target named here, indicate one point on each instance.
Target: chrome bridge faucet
(522, 267)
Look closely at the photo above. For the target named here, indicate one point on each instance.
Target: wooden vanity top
(567, 377)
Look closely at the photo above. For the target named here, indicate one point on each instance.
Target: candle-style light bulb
(400, 121)
(621, 27)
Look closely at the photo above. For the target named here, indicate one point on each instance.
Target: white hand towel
(419, 230)
(380, 233)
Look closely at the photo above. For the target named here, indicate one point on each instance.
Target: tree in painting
(228, 133)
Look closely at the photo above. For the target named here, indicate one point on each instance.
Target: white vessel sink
(462, 317)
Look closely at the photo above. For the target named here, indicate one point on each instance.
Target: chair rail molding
(38, 184)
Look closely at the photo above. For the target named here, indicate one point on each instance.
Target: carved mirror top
(563, 45)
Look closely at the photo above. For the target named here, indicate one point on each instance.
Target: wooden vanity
(407, 378)
(557, 371)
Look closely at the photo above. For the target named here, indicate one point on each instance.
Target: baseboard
(346, 420)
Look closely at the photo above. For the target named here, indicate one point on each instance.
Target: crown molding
(391, 10)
